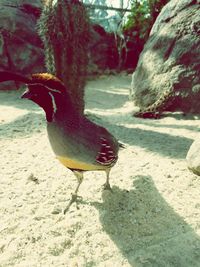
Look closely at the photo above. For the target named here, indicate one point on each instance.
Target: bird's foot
(107, 186)
(75, 198)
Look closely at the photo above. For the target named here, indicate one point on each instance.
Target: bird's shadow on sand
(146, 230)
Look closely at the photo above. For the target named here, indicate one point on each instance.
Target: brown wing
(106, 155)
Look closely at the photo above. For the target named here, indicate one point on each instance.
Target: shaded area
(146, 229)
(23, 126)
(173, 126)
(113, 99)
(158, 123)
(109, 92)
(162, 143)
(13, 98)
(33, 121)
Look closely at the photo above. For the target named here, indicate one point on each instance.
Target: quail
(78, 143)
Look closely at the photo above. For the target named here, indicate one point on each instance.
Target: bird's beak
(27, 94)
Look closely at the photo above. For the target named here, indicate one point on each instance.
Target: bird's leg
(79, 176)
(107, 186)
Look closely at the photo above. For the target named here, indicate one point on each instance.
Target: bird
(78, 143)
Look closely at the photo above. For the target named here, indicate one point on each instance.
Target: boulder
(167, 76)
(21, 49)
(103, 53)
(193, 157)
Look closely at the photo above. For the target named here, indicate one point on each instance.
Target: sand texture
(152, 218)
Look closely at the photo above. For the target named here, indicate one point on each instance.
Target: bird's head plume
(44, 89)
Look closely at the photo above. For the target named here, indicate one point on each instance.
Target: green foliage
(138, 19)
(142, 17)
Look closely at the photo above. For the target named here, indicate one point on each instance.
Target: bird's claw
(74, 198)
(107, 186)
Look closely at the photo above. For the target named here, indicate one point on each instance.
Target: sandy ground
(152, 218)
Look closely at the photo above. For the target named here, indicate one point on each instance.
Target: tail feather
(121, 145)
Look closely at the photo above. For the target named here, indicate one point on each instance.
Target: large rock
(167, 76)
(21, 49)
(103, 53)
(193, 157)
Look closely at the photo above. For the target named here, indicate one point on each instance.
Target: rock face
(193, 158)
(21, 49)
(103, 52)
(167, 76)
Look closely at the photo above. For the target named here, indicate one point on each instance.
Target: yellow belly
(74, 164)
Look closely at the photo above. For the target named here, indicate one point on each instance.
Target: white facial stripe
(50, 89)
(53, 90)
(53, 102)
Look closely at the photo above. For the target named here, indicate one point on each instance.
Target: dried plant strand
(64, 28)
